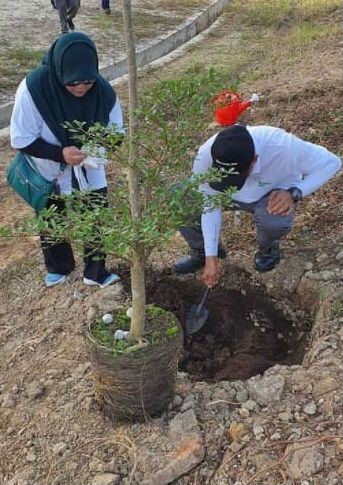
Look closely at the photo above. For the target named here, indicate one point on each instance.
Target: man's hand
(280, 203)
(212, 271)
(73, 156)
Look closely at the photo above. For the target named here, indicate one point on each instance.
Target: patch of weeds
(25, 57)
(303, 35)
(280, 13)
(161, 326)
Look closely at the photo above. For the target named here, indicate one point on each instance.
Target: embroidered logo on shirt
(261, 183)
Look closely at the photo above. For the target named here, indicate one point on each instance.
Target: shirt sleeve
(316, 164)
(211, 219)
(116, 117)
(26, 121)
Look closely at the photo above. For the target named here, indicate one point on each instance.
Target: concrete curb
(158, 49)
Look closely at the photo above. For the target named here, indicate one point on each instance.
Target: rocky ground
(282, 427)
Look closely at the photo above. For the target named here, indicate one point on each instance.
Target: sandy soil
(52, 429)
(28, 30)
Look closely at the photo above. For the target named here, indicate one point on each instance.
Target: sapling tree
(151, 193)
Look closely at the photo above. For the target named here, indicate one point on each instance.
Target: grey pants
(67, 9)
(270, 228)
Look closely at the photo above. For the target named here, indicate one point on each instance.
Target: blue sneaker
(111, 278)
(52, 279)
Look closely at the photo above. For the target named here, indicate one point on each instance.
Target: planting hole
(246, 331)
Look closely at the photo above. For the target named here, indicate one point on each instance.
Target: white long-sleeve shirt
(283, 161)
(27, 125)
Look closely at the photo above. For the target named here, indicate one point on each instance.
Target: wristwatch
(295, 193)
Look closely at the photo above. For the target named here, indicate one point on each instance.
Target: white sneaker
(52, 279)
(112, 278)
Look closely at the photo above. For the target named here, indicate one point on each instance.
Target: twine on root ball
(137, 385)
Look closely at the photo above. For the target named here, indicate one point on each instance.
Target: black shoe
(266, 260)
(194, 260)
(71, 24)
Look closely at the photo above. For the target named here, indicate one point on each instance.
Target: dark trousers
(59, 258)
(270, 228)
(67, 9)
(105, 4)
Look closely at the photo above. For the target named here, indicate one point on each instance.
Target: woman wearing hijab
(66, 87)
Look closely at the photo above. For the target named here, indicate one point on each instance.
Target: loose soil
(52, 430)
(244, 335)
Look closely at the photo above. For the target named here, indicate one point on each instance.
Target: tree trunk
(138, 259)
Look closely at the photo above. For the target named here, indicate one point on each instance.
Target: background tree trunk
(139, 258)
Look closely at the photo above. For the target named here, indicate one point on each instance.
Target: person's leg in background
(62, 8)
(73, 7)
(105, 5)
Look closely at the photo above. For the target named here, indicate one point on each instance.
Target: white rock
(107, 318)
(59, 448)
(308, 266)
(257, 429)
(129, 312)
(121, 334)
(106, 479)
(310, 408)
(339, 256)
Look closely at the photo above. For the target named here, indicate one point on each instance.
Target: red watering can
(229, 106)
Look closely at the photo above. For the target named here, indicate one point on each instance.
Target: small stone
(106, 479)
(59, 448)
(275, 437)
(250, 405)
(188, 403)
(285, 416)
(31, 457)
(326, 275)
(8, 401)
(339, 255)
(310, 408)
(266, 389)
(308, 266)
(242, 395)
(96, 465)
(34, 390)
(107, 318)
(257, 429)
(177, 401)
(91, 314)
(244, 413)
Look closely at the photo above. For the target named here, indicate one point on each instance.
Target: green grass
(145, 25)
(264, 13)
(304, 34)
(18, 60)
(161, 326)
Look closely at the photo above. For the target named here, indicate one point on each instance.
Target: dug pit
(246, 331)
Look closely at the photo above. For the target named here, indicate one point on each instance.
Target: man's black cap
(232, 148)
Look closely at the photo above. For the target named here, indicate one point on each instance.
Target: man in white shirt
(273, 171)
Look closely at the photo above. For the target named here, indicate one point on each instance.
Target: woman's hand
(212, 271)
(73, 156)
(280, 203)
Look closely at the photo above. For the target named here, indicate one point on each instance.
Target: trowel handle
(201, 304)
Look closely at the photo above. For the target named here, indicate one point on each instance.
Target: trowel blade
(196, 318)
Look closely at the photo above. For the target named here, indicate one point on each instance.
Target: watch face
(296, 194)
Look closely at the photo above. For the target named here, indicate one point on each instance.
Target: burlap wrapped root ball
(135, 385)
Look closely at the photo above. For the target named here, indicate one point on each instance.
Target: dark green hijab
(72, 57)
